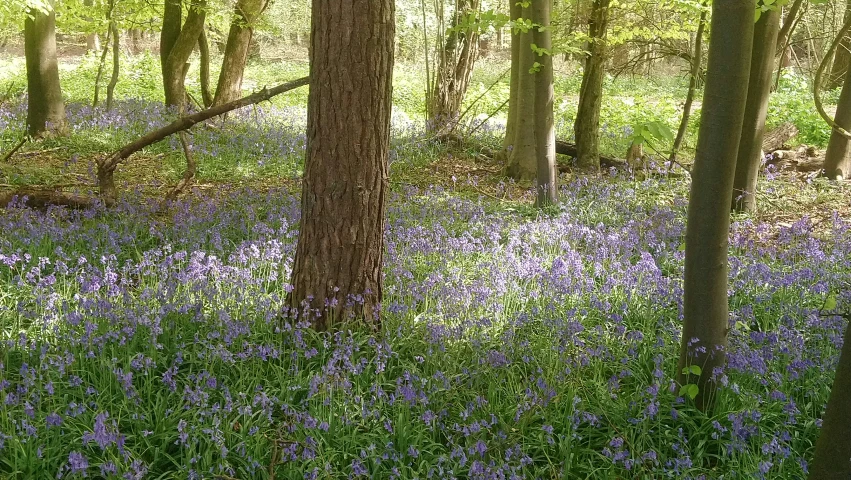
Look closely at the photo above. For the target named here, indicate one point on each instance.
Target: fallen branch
(569, 149)
(106, 166)
(35, 153)
(41, 199)
(777, 137)
(15, 149)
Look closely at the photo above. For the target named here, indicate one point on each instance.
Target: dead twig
(15, 149)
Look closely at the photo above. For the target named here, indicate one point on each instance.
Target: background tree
(842, 57)
(176, 45)
(749, 158)
(837, 159)
(245, 15)
(695, 63)
(45, 107)
(705, 305)
(338, 260)
(455, 64)
(587, 124)
(529, 144)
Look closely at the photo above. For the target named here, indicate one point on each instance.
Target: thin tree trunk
(587, 124)
(99, 75)
(759, 89)
(204, 53)
(842, 57)
(174, 68)
(245, 15)
(832, 458)
(116, 58)
(45, 107)
(337, 271)
(706, 314)
(455, 69)
(788, 26)
(694, 73)
(172, 21)
(837, 160)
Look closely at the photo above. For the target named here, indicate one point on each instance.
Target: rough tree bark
(454, 69)
(337, 275)
(45, 107)
(753, 128)
(832, 458)
(694, 73)
(587, 124)
(245, 15)
(837, 160)
(705, 324)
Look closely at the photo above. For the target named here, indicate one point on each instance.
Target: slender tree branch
(846, 27)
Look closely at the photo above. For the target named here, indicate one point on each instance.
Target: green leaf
(757, 14)
(690, 390)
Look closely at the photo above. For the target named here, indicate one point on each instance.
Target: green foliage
(793, 102)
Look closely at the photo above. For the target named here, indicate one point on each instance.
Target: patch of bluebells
(138, 343)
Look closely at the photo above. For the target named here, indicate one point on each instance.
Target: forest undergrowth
(152, 341)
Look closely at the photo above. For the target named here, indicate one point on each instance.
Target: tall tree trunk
(116, 58)
(99, 74)
(45, 107)
(837, 159)
(529, 144)
(204, 70)
(759, 89)
(706, 313)
(832, 458)
(842, 58)
(172, 21)
(455, 68)
(545, 133)
(337, 271)
(587, 124)
(694, 73)
(245, 15)
(175, 65)
(519, 144)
